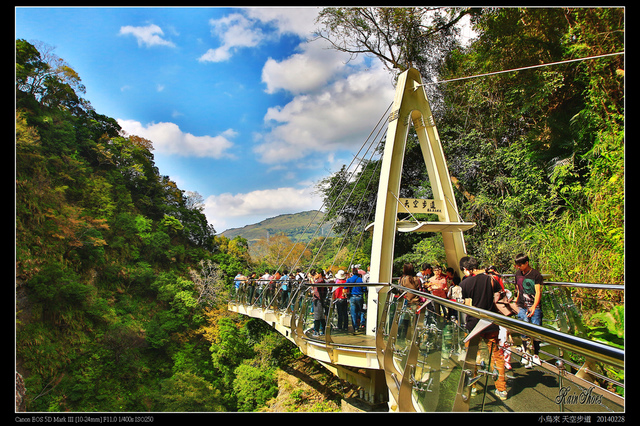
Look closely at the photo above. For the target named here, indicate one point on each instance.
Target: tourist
(409, 279)
(251, 285)
(273, 285)
(529, 287)
(504, 336)
(318, 301)
(356, 300)
(340, 301)
(425, 273)
(454, 292)
(491, 270)
(437, 285)
(480, 288)
(285, 289)
(238, 282)
(367, 276)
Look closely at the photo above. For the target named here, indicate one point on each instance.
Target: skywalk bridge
(420, 361)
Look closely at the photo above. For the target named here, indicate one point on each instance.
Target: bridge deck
(537, 390)
(359, 339)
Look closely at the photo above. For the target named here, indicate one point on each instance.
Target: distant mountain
(292, 225)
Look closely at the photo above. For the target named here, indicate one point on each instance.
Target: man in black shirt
(479, 287)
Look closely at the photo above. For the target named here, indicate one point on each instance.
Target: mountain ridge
(298, 227)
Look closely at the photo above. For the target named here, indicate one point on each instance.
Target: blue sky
(241, 106)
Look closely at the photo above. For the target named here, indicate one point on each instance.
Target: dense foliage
(540, 153)
(121, 285)
(536, 156)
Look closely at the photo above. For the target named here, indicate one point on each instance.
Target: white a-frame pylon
(411, 106)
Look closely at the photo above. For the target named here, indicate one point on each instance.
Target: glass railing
(333, 314)
(422, 353)
(266, 294)
(329, 313)
(430, 366)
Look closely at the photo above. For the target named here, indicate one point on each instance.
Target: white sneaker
(501, 394)
(535, 360)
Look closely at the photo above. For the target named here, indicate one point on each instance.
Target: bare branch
(208, 283)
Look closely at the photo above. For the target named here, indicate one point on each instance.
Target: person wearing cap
(340, 301)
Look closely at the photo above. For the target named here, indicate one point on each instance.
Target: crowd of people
(275, 289)
(477, 287)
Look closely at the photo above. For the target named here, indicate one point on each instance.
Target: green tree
(401, 37)
(521, 145)
(254, 386)
(536, 155)
(104, 247)
(231, 348)
(189, 393)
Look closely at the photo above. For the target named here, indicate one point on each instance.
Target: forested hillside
(299, 227)
(121, 286)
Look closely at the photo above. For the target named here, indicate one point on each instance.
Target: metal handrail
(344, 284)
(594, 286)
(619, 287)
(588, 348)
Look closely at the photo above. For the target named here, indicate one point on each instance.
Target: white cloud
(148, 36)
(234, 31)
(295, 20)
(307, 71)
(167, 138)
(339, 116)
(228, 210)
(256, 25)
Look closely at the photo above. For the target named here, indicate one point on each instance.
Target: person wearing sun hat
(340, 300)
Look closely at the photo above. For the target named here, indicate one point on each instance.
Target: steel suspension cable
(382, 118)
(524, 68)
(351, 193)
(352, 222)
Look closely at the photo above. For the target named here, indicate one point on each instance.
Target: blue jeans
(536, 318)
(357, 301)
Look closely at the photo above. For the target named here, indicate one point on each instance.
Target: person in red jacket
(340, 301)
